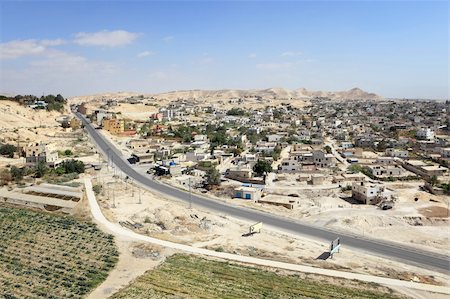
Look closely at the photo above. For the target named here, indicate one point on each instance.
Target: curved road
(409, 255)
(118, 230)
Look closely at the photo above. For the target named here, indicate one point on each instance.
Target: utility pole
(190, 194)
(114, 194)
(109, 193)
(114, 198)
(107, 155)
(140, 201)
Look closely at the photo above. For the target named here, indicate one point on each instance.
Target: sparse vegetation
(51, 256)
(212, 177)
(53, 102)
(262, 167)
(71, 166)
(97, 189)
(236, 112)
(8, 150)
(183, 276)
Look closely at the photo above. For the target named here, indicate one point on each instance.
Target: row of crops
(51, 256)
(184, 276)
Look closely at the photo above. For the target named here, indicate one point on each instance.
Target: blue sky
(394, 48)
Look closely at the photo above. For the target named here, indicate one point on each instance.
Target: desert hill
(270, 93)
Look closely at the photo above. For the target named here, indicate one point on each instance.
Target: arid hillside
(297, 97)
(15, 116)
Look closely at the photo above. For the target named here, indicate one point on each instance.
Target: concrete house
(290, 165)
(386, 161)
(396, 153)
(37, 152)
(425, 134)
(445, 152)
(114, 126)
(323, 160)
(368, 193)
(248, 193)
(274, 137)
(387, 171)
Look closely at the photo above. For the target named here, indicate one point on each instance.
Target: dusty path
(119, 231)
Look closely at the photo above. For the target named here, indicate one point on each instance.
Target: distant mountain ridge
(269, 93)
(274, 93)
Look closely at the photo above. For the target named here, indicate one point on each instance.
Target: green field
(51, 256)
(184, 276)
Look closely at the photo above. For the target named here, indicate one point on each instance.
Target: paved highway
(409, 255)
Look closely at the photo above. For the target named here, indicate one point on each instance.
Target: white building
(368, 193)
(392, 152)
(289, 166)
(445, 152)
(274, 138)
(200, 138)
(425, 134)
(345, 145)
(323, 160)
(385, 171)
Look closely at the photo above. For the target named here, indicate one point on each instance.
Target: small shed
(248, 193)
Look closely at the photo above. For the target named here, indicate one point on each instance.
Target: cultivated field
(51, 256)
(183, 276)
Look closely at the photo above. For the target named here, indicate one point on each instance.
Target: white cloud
(19, 48)
(273, 66)
(145, 54)
(105, 38)
(159, 75)
(53, 42)
(206, 60)
(203, 60)
(168, 38)
(59, 61)
(60, 72)
(252, 55)
(291, 54)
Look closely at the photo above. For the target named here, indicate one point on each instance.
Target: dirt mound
(435, 211)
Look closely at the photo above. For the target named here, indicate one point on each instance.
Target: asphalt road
(409, 255)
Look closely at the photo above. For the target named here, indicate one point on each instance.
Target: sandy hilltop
(224, 94)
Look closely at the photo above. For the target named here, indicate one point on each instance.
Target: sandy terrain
(134, 260)
(166, 219)
(15, 116)
(138, 112)
(277, 92)
(225, 99)
(422, 223)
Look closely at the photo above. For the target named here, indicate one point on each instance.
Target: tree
(382, 146)
(16, 173)
(355, 168)
(276, 153)
(41, 169)
(72, 165)
(8, 150)
(262, 167)
(327, 148)
(236, 112)
(5, 177)
(60, 170)
(65, 124)
(97, 189)
(212, 177)
(68, 152)
(144, 129)
(433, 180)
